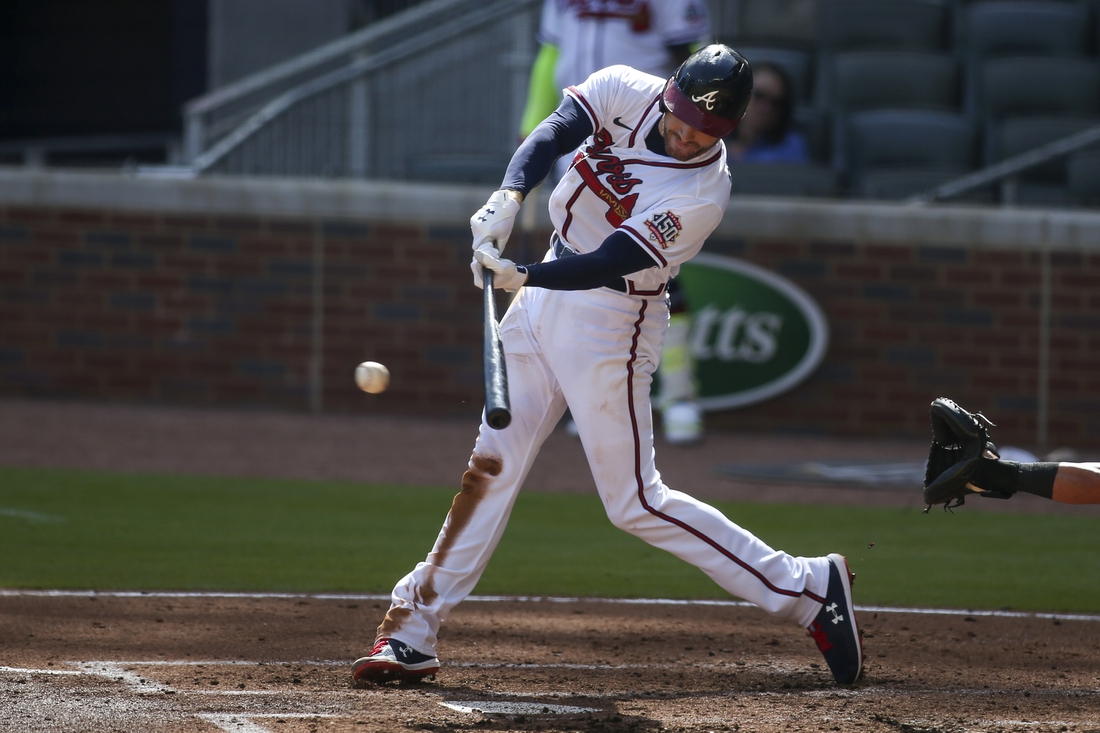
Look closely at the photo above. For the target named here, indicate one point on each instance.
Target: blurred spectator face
(765, 107)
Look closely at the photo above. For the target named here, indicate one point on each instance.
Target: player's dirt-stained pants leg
(603, 349)
(501, 459)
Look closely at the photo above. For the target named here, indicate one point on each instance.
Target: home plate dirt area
(190, 663)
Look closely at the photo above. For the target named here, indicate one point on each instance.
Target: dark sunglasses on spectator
(770, 99)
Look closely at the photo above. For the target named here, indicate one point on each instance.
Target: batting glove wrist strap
(506, 275)
(492, 224)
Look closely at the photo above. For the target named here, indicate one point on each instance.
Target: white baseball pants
(595, 351)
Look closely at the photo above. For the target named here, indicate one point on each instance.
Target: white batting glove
(506, 276)
(493, 222)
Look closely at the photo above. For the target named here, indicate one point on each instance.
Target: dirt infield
(186, 663)
(250, 664)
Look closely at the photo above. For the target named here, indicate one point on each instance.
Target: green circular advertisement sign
(754, 334)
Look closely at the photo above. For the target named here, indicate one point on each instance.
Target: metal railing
(212, 115)
(432, 93)
(1008, 169)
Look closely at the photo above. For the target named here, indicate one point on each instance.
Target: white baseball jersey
(592, 34)
(667, 206)
(595, 352)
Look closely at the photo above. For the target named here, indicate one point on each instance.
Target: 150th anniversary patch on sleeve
(664, 228)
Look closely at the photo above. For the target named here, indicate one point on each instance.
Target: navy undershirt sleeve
(618, 256)
(559, 134)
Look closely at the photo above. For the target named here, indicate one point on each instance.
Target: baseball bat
(498, 413)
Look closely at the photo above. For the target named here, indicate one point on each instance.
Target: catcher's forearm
(1077, 483)
(1010, 477)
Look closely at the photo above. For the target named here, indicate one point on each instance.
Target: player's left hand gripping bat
(498, 413)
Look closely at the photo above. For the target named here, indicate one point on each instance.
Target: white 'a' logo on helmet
(710, 98)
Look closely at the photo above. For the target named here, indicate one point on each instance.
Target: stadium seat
(905, 182)
(887, 80)
(783, 22)
(893, 79)
(918, 25)
(1083, 178)
(779, 179)
(898, 153)
(1025, 28)
(1038, 86)
(910, 139)
(814, 124)
(1020, 134)
(1046, 184)
(1047, 195)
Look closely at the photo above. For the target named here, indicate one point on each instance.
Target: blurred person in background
(577, 38)
(766, 133)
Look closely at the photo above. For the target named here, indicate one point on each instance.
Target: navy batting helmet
(710, 90)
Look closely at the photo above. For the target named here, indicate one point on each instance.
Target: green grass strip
(86, 530)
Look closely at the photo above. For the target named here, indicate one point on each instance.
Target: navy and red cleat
(835, 629)
(393, 660)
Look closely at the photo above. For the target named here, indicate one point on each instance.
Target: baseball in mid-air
(372, 377)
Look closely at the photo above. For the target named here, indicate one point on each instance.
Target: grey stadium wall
(210, 291)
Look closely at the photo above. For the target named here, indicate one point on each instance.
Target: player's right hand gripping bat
(498, 413)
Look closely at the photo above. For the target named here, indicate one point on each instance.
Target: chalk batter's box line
(531, 599)
(249, 722)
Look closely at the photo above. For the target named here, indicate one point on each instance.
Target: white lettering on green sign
(755, 334)
(735, 335)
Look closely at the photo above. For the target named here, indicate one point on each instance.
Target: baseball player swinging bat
(498, 413)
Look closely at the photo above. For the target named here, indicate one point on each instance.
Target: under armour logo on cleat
(837, 618)
(406, 651)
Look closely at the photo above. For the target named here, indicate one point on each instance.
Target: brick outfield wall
(912, 323)
(217, 310)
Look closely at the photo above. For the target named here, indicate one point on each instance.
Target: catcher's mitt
(959, 440)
